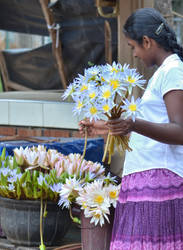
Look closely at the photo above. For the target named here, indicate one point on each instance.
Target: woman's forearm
(170, 133)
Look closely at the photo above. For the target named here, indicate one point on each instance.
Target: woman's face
(143, 52)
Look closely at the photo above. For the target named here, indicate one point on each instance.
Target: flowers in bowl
(35, 173)
(95, 196)
(103, 91)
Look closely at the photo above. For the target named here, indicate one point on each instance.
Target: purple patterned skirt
(149, 213)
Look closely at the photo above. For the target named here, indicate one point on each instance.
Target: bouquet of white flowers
(103, 90)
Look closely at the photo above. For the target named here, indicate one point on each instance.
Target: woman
(150, 207)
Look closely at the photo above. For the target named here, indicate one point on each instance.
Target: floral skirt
(149, 213)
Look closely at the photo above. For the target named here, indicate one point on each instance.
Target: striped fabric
(149, 213)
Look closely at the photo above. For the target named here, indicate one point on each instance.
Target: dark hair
(149, 22)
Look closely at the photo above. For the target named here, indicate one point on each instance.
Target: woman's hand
(93, 128)
(120, 126)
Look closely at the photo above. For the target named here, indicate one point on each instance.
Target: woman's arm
(171, 133)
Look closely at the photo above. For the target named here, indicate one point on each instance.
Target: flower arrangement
(103, 91)
(37, 173)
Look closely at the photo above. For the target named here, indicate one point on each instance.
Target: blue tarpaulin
(94, 150)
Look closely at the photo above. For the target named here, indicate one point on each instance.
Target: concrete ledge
(37, 109)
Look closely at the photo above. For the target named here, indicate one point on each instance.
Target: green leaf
(53, 176)
(3, 154)
(15, 165)
(28, 177)
(22, 179)
(51, 195)
(35, 174)
(20, 161)
(90, 63)
(42, 247)
(6, 162)
(36, 193)
(18, 190)
(3, 180)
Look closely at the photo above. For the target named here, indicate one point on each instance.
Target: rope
(177, 14)
(26, 138)
(55, 26)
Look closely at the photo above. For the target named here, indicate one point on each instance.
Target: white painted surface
(36, 113)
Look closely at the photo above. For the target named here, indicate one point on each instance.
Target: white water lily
(107, 106)
(42, 158)
(31, 157)
(52, 157)
(96, 195)
(69, 91)
(133, 79)
(64, 202)
(69, 190)
(98, 215)
(107, 92)
(18, 151)
(94, 70)
(113, 193)
(114, 80)
(132, 107)
(114, 68)
(93, 111)
(19, 155)
(79, 105)
(92, 93)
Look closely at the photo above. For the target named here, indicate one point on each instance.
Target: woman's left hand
(120, 126)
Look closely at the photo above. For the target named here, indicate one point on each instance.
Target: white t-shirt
(148, 153)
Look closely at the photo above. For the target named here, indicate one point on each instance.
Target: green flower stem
(84, 150)
(45, 211)
(74, 219)
(119, 106)
(106, 147)
(108, 116)
(42, 246)
(86, 137)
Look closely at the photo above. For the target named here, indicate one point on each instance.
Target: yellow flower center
(112, 194)
(97, 216)
(80, 105)
(131, 80)
(102, 79)
(115, 84)
(92, 95)
(84, 87)
(92, 78)
(132, 107)
(99, 199)
(114, 70)
(107, 94)
(93, 110)
(84, 205)
(106, 108)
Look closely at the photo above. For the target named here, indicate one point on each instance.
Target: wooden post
(125, 9)
(57, 50)
(108, 42)
(124, 52)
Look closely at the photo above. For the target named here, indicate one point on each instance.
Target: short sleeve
(172, 80)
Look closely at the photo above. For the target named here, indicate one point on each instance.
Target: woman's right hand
(93, 128)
